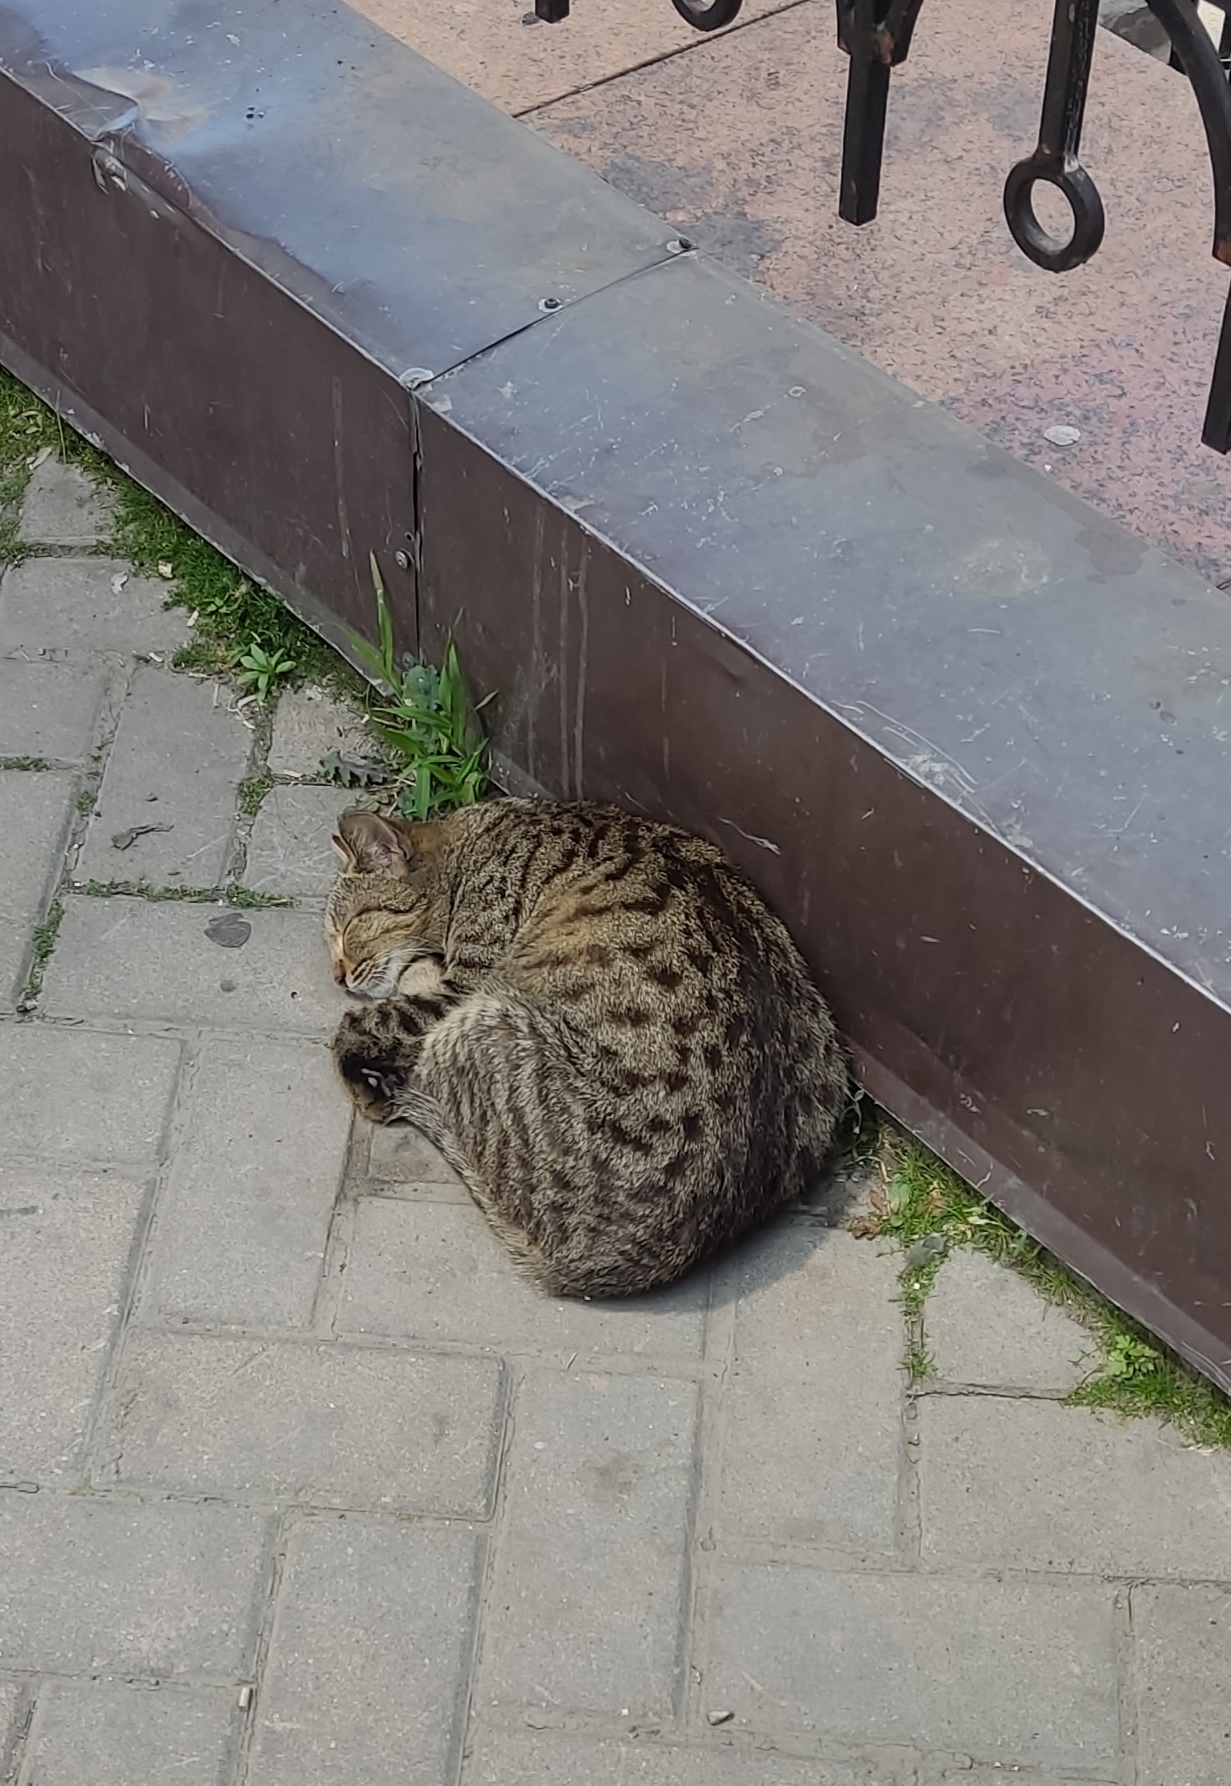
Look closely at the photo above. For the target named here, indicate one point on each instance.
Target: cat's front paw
(371, 1062)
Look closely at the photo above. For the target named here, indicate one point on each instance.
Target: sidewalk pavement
(299, 1486)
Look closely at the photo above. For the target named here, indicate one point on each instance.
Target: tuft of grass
(247, 899)
(243, 898)
(426, 716)
(928, 1210)
(239, 627)
(44, 942)
(86, 799)
(253, 791)
(32, 764)
(29, 427)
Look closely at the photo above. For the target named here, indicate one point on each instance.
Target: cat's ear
(369, 844)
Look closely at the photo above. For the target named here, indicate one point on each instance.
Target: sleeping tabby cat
(598, 1022)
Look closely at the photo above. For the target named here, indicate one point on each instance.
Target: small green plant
(426, 716)
(242, 898)
(261, 671)
(253, 791)
(85, 800)
(44, 942)
(247, 899)
(32, 764)
(928, 1210)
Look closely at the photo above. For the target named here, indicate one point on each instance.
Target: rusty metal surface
(967, 735)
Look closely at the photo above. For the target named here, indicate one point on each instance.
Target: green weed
(246, 899)
(237, 626)
(28, 763)
(44, 942)
(261, 671)
(253, 791)
(426, 716)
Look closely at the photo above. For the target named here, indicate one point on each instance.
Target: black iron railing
(876, 35)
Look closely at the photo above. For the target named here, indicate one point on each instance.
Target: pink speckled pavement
(735, 139)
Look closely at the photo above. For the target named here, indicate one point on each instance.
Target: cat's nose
(339, 972)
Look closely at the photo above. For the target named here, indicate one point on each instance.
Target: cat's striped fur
(596, 1019)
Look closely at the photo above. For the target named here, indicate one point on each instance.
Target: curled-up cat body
(597, 1020)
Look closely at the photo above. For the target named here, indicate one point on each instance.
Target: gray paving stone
(35, 813)
(178, 758)
(422, 1270)
(586, 1607)
(550, 1758)
(63, 507)
(813, 1429)
(308, 724)
(1182, 1670)
(85, 604)
(401, 1155)
(80, 1093)
(242, 1223)
(366, 1678)
(47, 710)
(1017, 1672)
(290, 851)
(67, 1243)
(110, 1734)
(1034, 1485)
(985, 1325)
(96, 1586)
(16, 1701)
(122, 958)
(321, 1425)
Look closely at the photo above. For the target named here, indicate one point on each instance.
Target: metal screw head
(402, 560)
(679, 245)
(109, 172)
(549, 303)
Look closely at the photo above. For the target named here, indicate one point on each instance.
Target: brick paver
(35, 813)
(289, 851)
(246, 1209)
(177, 758)
(114, 1734)
(369, 1662)
(156, 962)
(68, 1246)
(47, 710)
(301, 1485)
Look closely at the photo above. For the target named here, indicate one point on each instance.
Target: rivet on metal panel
(414, 376)
(679, 245)
(549, 303)
(110, 175)
(402, 560)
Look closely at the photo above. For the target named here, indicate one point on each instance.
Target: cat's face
(382, 921)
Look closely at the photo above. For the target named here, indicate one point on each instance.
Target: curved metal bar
(876, 36)
(711, 17)
(1055, 160)
(1197, 56)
